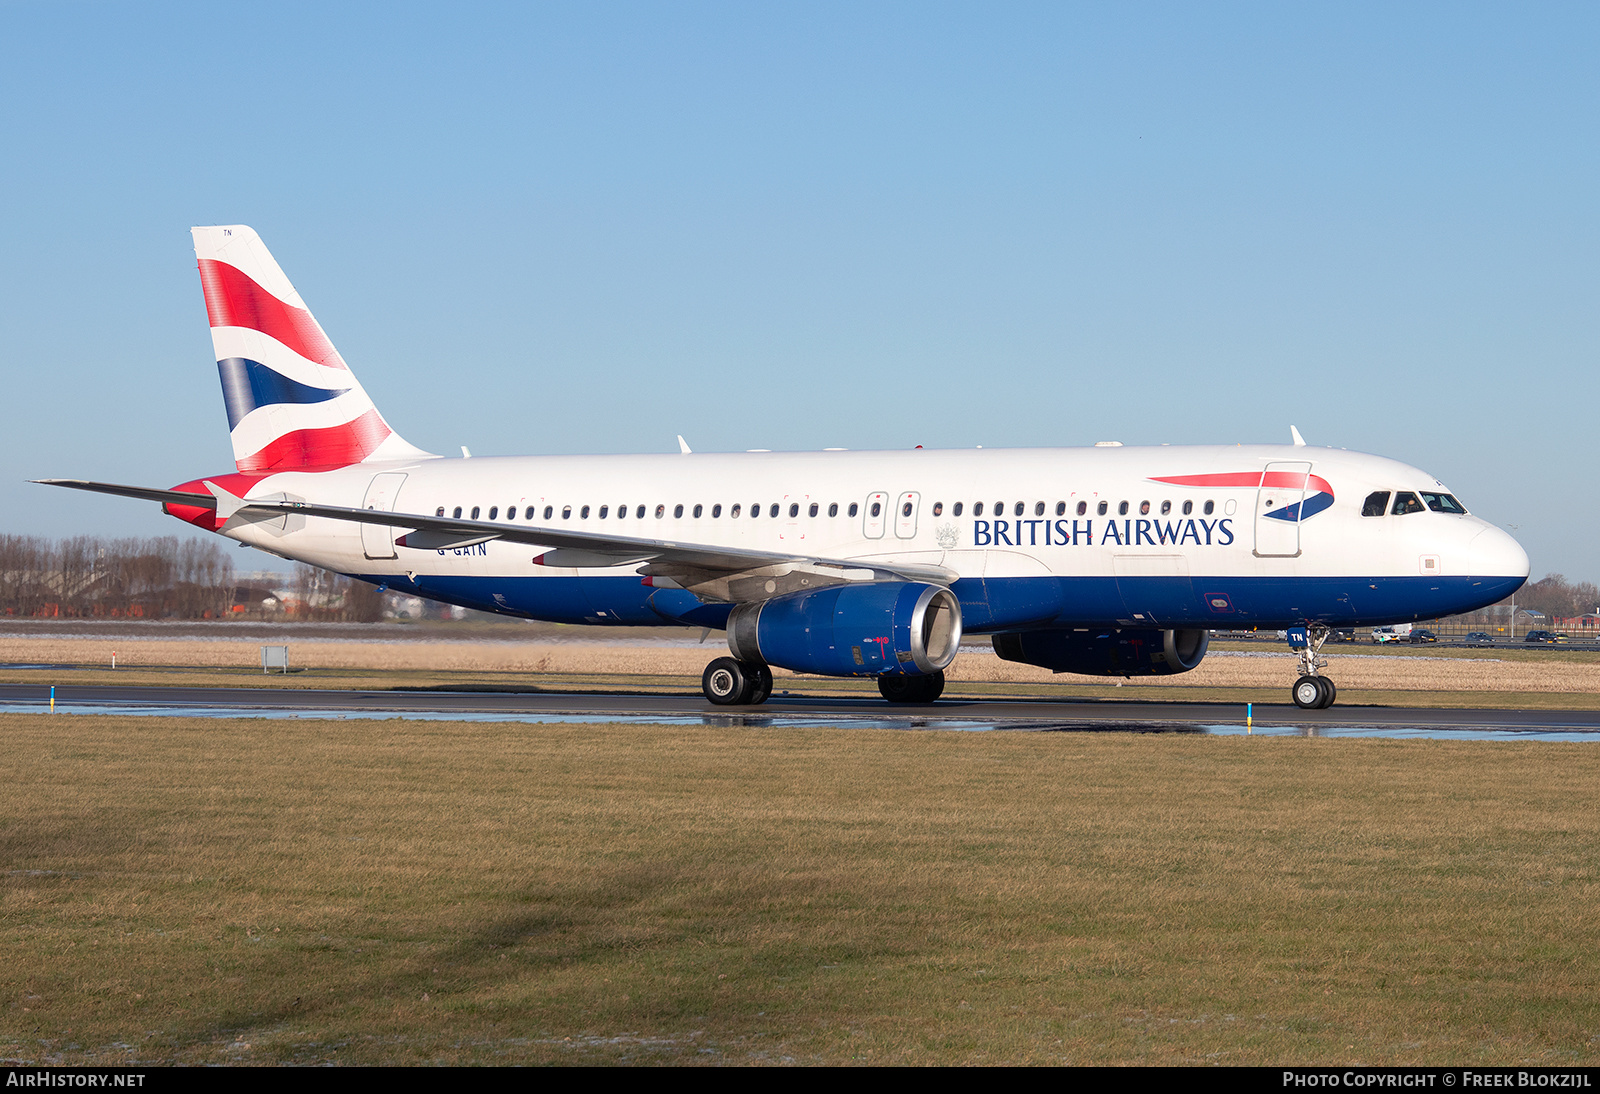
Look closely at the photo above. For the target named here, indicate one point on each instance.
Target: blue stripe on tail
(249, 384)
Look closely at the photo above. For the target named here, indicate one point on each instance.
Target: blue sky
(587, 228)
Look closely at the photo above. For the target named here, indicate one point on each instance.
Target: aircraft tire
(911, 689)
(726, 683)
(761, 682)
(1308, 693)
(1329, 692)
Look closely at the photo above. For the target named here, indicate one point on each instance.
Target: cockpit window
(1406, 502)
(1443, 503)
(1376, 505)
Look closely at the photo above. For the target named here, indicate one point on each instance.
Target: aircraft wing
(720, 573)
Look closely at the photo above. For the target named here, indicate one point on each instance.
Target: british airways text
(1127, 533)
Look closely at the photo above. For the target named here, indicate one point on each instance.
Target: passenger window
(854, 509)
(999, 508)
(716, 511)
(813, 510)
(1144, 509)
(938, 508)
(457, 513)
(698, 509)
(877, 508)
(1443, 503)
(583, 514)
(1020, 509)
(905, 510)
(604, 510)
(661, 511)
(1038, 509)
(1376, 505)
(956, 510)
(494, 511)
(735, 511)
(548, 509)
(773, 511)
(1122, 509)
(639, 512)
(1210, 505)
(566, 512)
(977, 509)
(1061, 508)
(1083, 507)
(1100, 510)
(1166, 507)
(794, 509)
(677, 511)
(440, 513)
(474, 512)
(1406, 502)
(833, 508)
(755, 510)
(1188, 507)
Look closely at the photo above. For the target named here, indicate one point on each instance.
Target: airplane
(1106, 560)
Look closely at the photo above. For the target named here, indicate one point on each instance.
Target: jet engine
(1100, 652)
(898, 628)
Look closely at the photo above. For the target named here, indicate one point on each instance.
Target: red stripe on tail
(320, 449)
(234, 300)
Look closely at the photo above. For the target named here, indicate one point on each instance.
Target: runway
(783, 711)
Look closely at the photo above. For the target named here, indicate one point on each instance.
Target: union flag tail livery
(1105, 561)
(292, 402)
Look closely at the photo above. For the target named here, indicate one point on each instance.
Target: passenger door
(1279, 504)
(377, 540)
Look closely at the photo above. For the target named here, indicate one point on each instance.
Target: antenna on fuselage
(1299, 441)
(683, 445)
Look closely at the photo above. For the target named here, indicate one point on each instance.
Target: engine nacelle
(1115, 652)
(898, 628)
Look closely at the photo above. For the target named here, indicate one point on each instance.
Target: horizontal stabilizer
(143, 493)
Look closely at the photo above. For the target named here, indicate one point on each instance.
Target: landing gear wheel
(1329, 692)
(761, 679)
(911, 689)
(725, 683)
(1308, 693)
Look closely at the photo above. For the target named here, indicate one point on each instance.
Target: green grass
(197, 891)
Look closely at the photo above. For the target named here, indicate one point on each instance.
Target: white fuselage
(1213, 542)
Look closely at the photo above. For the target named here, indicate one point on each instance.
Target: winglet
(683, 445)
(1299, 441)
(227, 504)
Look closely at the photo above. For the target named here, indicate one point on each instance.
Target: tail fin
(293, 403)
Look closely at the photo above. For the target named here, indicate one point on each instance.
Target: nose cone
(1493, 553)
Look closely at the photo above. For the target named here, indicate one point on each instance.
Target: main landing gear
(731, 683)
(912, 689)
(1311, 691)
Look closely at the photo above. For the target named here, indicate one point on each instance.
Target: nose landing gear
(1311, 691)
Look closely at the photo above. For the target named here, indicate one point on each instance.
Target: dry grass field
(1503, 678)
(242, 891)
